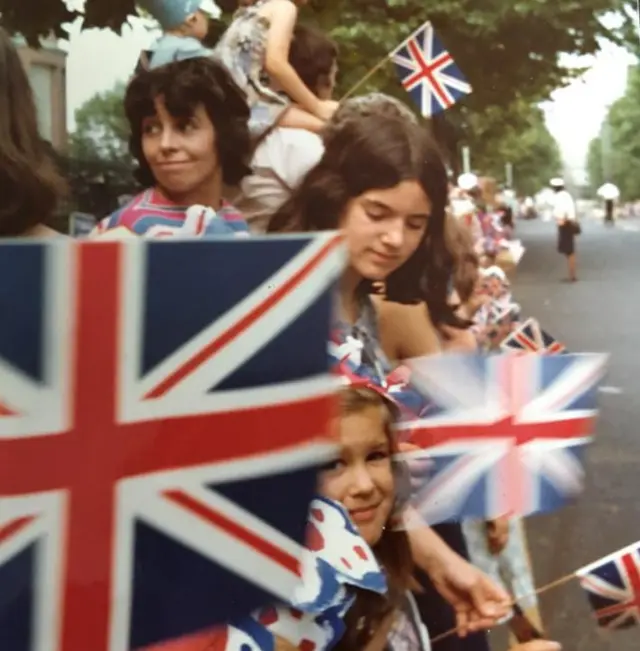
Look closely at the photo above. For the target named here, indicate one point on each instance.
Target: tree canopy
(515, 134)
(614, 156)
(510, 51)
(102, 130)
(506, 48)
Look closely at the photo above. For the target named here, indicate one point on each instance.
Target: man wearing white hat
(564, 212)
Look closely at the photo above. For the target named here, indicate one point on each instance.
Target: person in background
(608, 211)
(564, 212)
(189, 134)
(185, 23)
(284, 156)
(31, 185)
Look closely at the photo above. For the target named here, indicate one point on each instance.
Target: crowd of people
(245, 139)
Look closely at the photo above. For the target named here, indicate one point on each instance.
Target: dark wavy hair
(463, 260)
(31, 184)
(184, 85)
(380, 151)
(312, 55)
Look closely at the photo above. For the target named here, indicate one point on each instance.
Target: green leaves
(102, 130)
(614, 156)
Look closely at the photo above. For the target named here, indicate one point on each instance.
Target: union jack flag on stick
(505, 434)
(162, 406)
(530, 337)
(612, 585)
(428, 72)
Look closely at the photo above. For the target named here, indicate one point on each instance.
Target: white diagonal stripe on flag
(586, 371)
(260, 331)
(209, 536)
(233, 399)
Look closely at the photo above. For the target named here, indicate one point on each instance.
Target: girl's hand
(326, 108)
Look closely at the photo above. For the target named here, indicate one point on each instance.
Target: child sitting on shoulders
(185, 23)
(255, 49)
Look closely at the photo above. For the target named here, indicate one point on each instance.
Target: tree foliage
(507, 48)
(102, 129)
(614, 156)
(510, 51)
(515, 134)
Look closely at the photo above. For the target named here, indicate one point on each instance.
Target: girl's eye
(150, 129)
(332, 466)
(375, 215)
(417, 224)
(379, 455)
(188, 125)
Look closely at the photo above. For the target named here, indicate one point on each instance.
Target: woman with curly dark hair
(190, 137)
(31, 185)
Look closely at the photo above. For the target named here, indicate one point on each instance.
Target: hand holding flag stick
(612, 585)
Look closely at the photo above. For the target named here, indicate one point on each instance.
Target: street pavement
(600, 313)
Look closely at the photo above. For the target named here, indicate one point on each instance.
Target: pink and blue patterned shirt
(151, 214)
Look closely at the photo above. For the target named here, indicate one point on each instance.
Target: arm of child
(283, 15)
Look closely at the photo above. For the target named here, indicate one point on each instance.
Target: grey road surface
(600, 313)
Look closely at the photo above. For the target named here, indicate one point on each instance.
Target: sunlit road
(599, 313)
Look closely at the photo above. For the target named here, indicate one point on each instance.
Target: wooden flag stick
(545, 588)
(366, 78)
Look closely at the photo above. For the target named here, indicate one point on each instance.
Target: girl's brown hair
(392, 550)
(464, 259)
(312, 55)
(377, 151)
(31, 185)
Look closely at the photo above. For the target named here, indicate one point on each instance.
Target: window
(41, 77)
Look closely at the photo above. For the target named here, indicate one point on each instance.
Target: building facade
(46, 68)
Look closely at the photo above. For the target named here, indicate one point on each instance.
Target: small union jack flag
(160, 407)
(428, 72)
(505, 435)
(530, 337)
(612, 585)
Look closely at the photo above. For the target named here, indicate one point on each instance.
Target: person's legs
(571, 260)
(296, 118)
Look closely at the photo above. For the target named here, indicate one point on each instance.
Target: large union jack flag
(162, 411)
(612, 585)
(504, 434)
(428, 72)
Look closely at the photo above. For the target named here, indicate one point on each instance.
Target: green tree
(595, 170)
(102, 130)
(618, 153)
(507, 48)
(515, 134)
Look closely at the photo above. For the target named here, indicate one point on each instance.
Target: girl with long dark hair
(31, 185)
(382, 182)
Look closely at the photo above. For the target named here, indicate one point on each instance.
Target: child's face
(362, 478)
(384, 227)
(198, 24)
